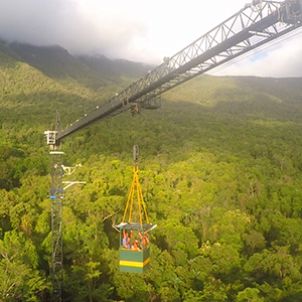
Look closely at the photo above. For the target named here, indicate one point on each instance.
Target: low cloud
(61, 22)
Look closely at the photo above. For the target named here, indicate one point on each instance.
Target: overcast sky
(138, 30)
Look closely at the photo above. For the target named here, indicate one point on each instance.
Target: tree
(249, 295)
(19, 277)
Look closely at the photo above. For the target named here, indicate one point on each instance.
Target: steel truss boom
(253, 26)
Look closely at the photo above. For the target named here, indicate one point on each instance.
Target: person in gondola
(144, 239)
(126, 242)
(135, 246)
(125, 239)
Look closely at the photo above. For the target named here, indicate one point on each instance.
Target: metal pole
(56, 196)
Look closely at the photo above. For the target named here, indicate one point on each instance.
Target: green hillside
(94, 72)
(221, 174)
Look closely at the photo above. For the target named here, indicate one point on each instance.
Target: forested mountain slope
(93, 71)
(221, 173)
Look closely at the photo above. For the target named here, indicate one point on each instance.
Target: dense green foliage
(221, 173)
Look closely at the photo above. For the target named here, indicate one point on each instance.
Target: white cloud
(279, 59)
(166, 26)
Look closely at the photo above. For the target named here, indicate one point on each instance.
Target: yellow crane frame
(135, 201)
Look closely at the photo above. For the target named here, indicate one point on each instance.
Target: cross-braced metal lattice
(56, 196)
(251, 27)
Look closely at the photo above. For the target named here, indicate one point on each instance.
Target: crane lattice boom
(251, 27)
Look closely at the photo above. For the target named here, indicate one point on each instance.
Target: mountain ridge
(92, 71)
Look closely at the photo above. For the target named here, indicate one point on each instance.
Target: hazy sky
(139, 30)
